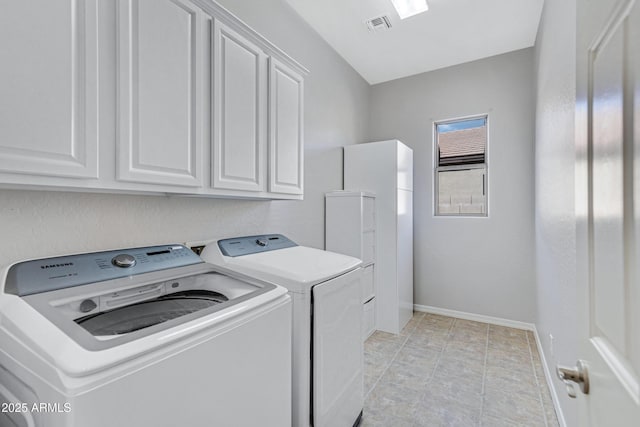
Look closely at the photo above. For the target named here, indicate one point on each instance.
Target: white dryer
(145, 337)
(327, 348)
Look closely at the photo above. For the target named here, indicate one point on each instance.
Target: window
(461, 167)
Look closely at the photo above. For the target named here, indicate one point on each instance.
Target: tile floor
(442, 371)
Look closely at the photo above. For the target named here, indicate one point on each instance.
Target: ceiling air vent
(380, 23)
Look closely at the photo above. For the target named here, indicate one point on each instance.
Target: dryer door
(338, 351)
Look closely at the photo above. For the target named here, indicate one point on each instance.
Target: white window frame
(437, 169)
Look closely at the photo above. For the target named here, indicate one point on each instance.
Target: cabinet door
(337, 351)
(403, 306)
(239, 107)
(160, 90)
(49, 90)
(285, 130)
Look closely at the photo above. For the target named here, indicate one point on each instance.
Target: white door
(160, 92)
(286, 156)
(49, 88)
(239, 108)
(337, 351)
(608, 197)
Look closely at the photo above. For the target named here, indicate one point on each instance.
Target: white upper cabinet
(286, 153)
(153, 96)
(48, 88)
(239, 111)
(160, 92)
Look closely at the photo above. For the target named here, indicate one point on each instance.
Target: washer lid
(297, 268)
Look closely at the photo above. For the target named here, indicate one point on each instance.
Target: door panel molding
(623, 371)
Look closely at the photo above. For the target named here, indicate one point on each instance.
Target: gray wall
(555, 194)
(35, 224)
(475, 265)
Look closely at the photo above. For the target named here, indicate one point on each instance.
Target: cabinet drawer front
(286, 159)
(49, 109)
(160, 92)
(239, 108)
(368, 247)
(368, 282)
(369, 319)
(368, 213)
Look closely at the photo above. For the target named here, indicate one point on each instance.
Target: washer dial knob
(261, 242)
(123, 261)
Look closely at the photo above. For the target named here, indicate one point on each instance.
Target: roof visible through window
(462, 142)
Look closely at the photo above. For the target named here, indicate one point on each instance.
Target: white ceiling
(451, 32)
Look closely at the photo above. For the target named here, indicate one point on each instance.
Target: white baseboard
(475, 317)
(511, 324)
(550, 378)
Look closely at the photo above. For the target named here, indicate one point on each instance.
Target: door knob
(578, 375)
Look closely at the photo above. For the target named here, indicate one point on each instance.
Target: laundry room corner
(471, 264)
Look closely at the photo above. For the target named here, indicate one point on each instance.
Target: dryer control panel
(248, 245)
(49, 274)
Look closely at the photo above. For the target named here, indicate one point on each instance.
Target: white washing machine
(327, 348)
(142, 337)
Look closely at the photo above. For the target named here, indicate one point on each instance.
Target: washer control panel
(248, 245)
(49, 274)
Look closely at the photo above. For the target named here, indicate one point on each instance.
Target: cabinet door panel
(239, 109)
(368, 246)
(368, 213)
(368, 319)
(285, 130)
(48, 113)
(160, 92)
(368, 283)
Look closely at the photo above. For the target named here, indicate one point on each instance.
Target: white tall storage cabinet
(351, 230)
(386, 169)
